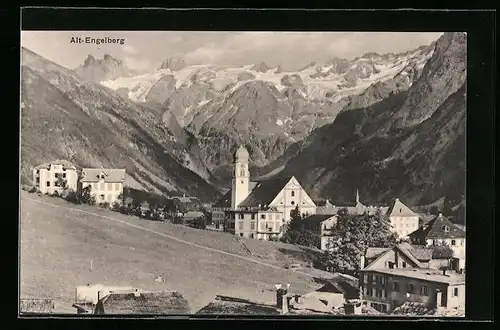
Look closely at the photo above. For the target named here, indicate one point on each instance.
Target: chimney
(362, 262)
(286, 304)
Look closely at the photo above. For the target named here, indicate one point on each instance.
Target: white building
(259, 209)
(106, 184)
(321, 225)
(402, 219)
(48, 177)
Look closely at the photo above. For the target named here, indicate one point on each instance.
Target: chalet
(402, 255)
(54, 176)
(106, 183)
(138, 302)
(441, 231)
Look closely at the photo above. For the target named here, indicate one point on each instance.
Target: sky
(146, 50)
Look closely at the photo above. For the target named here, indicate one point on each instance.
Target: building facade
(441, 231)
(386, 289)
(106, 185)
(321, 225)
(402, 219)
(55, 177)
(259, 209)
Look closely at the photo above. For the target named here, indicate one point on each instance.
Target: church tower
(241, 177)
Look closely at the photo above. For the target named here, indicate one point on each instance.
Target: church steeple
(357, 197)
(241, 177)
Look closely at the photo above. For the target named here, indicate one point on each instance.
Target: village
(383, 260)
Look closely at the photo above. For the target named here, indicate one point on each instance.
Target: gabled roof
(373, 252)
(264, 192)
(348, 286)
(66, 164)
(399, 209)
(225, 200)
(425, 274)
(421, 254)
(435, 229)
(316, 219)
(110, 174)
(404, 248)
(231, 305)
(158, 303)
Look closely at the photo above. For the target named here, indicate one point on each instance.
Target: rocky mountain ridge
(65, 116)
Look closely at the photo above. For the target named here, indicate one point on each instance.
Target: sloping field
(59, 240)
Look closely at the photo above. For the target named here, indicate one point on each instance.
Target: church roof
(399, 209)
(225, 200)
(264, 192)
(436, 229)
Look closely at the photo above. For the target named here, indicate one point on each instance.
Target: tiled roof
(110, 174)
(435, 229)
(342, 284)
(64, 163)
(399, 209)
(158, 303)
(421, 253)
(423, 274)
(231, 305)
(264, 192)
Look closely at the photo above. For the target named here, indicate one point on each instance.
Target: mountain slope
(410, 145)
(267, 109)
(63, 116)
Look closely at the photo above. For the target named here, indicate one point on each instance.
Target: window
(102, 197)
(240, 215)
(252, 225)
(453, 242)
(410, 288)
(374, 279)
(383, 280)
(240, 225)
(251, 235)
(242, 171)
(446, 229)
(455, 292)
(424, 291)
(64, 175)
(38, 180)
(293, 193)
(48, 183)
(252, 216)
(241, 234)
(403, 264)
(241, 181)
(262, 216)
(292, 202)
(369, 278)
(37, 171)
(56, 184)
(383, 308)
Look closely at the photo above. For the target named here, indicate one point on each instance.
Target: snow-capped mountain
(267, 108)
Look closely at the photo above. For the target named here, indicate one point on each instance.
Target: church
(259, 209)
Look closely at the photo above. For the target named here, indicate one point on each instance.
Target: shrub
(72, 197)
(104, 205)
(32, 190)
(54, 194)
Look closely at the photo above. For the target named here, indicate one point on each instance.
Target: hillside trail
(170, 237)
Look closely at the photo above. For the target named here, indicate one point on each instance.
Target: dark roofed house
(321, 225)
(148, 303)
(237, 306)
(441, 231)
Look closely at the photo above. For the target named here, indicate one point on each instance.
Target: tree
(434, 210)
(86, 196)
(295, 219)
(351, 236)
